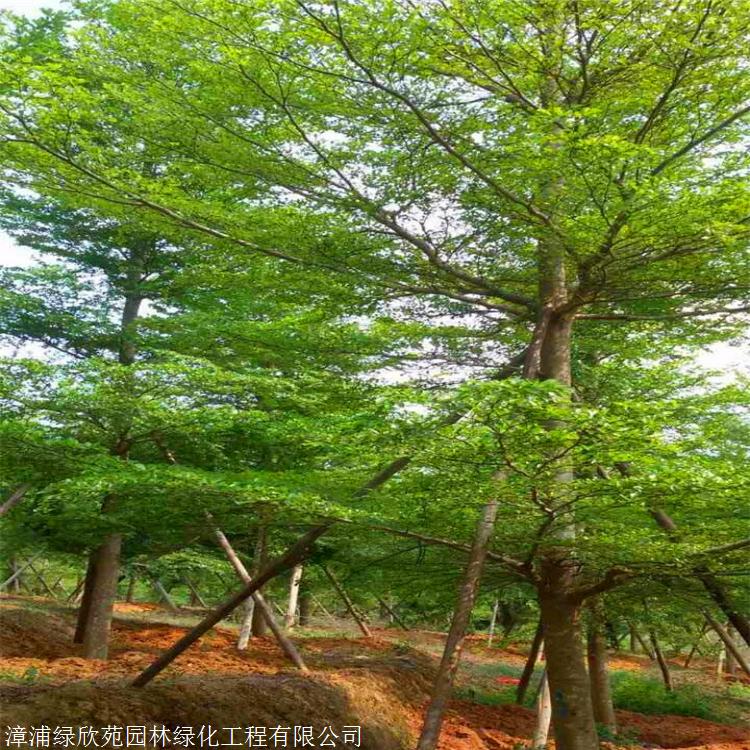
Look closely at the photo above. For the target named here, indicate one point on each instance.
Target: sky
(727, 358)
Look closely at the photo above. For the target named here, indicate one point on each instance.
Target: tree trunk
(531, 660)
(543, 715)
(729, 644)
(246, 628)
(633, 640)
(348, 602)
(296, 553)
(391, 612)
(260, 605)
(662, 662)
(689, 657)
(15, 575)
(130, 593)
(260, 558)
(572, 710)
(164, 595)
(85, 605)
(294, 584)
(194, 593)
(601, 692)
(15, 497)
(443, 685)
(305, 608)
(493, 621)
(102, 598)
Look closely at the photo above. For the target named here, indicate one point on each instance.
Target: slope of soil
(381, 684)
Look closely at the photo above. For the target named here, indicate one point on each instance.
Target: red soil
(382, 674)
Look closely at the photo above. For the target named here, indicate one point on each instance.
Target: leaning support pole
(17, 572)
(387, 607)
(15, 497)
(164, 594)
(731, 646)
(296, 553)
(286, 644)
(467, 593)
(348, 602)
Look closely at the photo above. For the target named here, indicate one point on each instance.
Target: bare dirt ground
(380, 683)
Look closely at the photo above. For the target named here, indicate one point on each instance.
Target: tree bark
(103, 593)
(443, 685)
(195, 593)
(662, 662)
(164, 595)
(260, 605)
(305, 608)
(130, 593)
(246, 628)
(493, 621)
(689, 657)
(543, 715)
(387, 607)
(601, 692)
(729, 643)
(14, 498)
(294, 584)
(260, 558)
(531, 660)
(361, 624)
(85, 605)
(572, 710)
(296, 553)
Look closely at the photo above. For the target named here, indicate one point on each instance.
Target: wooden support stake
(348, 602)
(731, 646)
(393, 614)
(284, 641)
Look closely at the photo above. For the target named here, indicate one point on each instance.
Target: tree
(495, 162)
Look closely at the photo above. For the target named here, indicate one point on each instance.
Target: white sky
(29, 7)
(725, 357)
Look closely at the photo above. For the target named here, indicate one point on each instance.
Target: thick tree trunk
(531, 660)
(572, 710)
(443, 685)
(601, 692)
(294, 584)
(85, 605)
(361, 624)
(662, 662)
(102, 598)
(543, 715)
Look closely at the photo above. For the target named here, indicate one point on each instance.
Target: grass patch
(647, 695)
